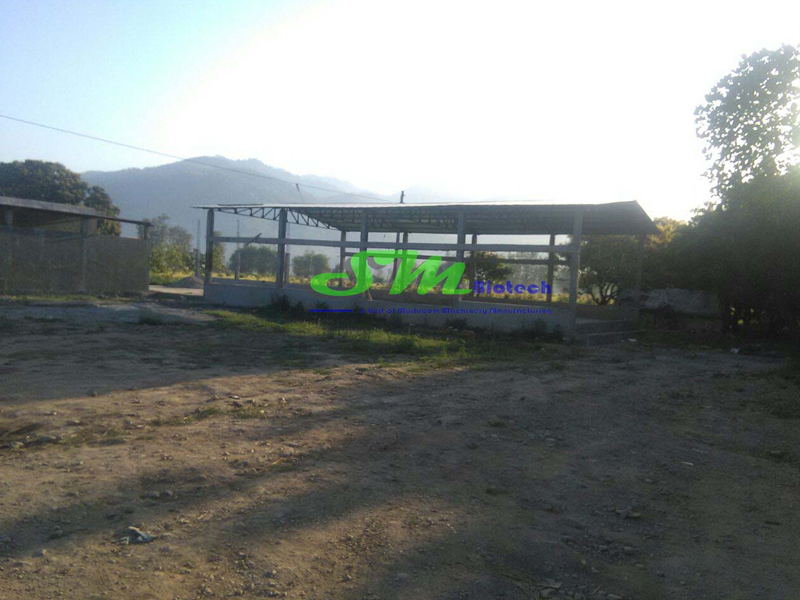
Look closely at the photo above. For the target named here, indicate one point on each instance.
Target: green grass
(349, 334)
(170, 278)
(166, 278)
(379, 339)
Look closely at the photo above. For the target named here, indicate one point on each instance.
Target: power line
(190, 160)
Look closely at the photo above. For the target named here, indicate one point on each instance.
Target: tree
(169, 259)
(309, 264)
(170, 247)
(746, 252)
(745, 247)
(662, 264)
(489, 267)
(261, 260)
(750, 119)
(53, 182)
(608, 264)
(218, 253)
(161, 232)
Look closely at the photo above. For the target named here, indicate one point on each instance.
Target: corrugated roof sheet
(486, 218)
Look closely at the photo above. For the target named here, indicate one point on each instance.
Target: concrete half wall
(484, 315)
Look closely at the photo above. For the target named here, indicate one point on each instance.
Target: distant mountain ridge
(175, 188)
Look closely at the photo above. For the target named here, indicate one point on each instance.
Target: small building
(48, 247)
(472, 219)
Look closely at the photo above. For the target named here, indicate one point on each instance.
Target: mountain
(173, 189)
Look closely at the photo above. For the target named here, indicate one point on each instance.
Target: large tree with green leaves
(310, 263)
(489, 267)
(171, 247)
(255, 260)
(608, 265)
(608, 262)
(749, 121)
(161, 232)
(53, 182)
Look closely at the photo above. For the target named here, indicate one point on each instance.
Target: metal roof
(62, 209)
(486, 218)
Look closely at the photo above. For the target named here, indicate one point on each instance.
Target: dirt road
(628, 471)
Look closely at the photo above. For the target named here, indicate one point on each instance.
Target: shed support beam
(362, 267)
(472, 270)
(9, 217)
(209, 246)
(637, 286)
(462, 239)
(342, 254)
(574, 266)
(551, 267)
(280, 272)
(399, 261)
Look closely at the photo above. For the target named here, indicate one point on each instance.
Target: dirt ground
(626, 471)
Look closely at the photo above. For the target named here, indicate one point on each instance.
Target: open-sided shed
(462, 219)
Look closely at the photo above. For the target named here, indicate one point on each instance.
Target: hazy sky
(560, 101)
